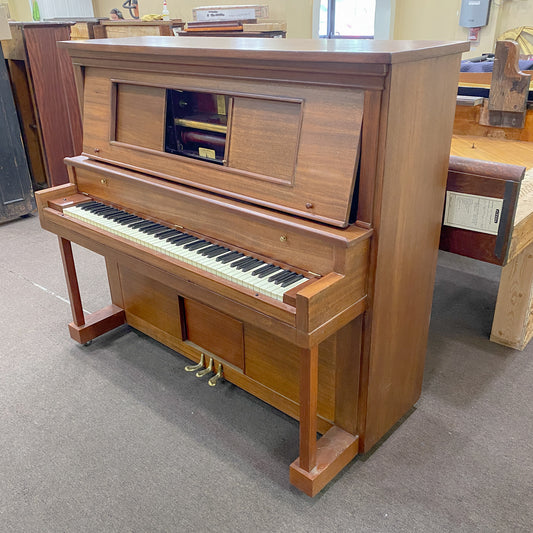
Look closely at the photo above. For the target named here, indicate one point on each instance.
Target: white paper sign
(472, 212)
(225, 14)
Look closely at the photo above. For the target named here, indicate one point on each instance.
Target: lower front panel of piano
(252, 358)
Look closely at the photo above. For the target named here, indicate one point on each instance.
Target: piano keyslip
(250, 272)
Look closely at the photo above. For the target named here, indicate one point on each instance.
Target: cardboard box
(245, 12)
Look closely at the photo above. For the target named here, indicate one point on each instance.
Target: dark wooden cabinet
(45, 96)
(16, 194)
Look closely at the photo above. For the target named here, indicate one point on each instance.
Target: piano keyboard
(262, 277)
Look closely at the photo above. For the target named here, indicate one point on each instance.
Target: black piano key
(268, 271)
(166, 234)
(250, 266)
(149, 230)
(214, 253)
(87, 205)
(123, 216)
(229, 257)
(267, 268)
(241, 262)
(113, 213)
(292, 280)
(288, 279)
(182, 239)
(195, 245)
(161, 233)
(140, 225)
(283, 279)
(174, 235)
(211, 248)
(279, 276)
(102, 210)
(126, 221)
(99, 207)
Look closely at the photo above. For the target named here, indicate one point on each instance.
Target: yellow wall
(297, 13)
(19, 9)
(438, 19)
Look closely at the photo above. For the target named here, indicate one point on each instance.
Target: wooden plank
(57, 107)
(256, 136)
(140, 116)
(214, 331)
(97, 324)
(512, 325)
(488, 180)
(408, 231)
(509, 88)
(334, 451)
(72, 282)
(308, 407)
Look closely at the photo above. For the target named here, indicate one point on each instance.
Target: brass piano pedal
(194, 368)
(209, 368)
(213, 381)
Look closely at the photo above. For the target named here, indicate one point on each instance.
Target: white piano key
(180, 251)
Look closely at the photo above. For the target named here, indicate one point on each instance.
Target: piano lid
(301, 50)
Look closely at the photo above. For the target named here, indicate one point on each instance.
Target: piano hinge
(313, 274)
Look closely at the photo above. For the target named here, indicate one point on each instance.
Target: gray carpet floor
(117, 437)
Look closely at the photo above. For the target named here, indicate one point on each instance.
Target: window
(348, 19)
(50, 9)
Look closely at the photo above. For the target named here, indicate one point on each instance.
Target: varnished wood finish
(335, 450)
(218, 333)
(53, 95)
(511, 324)
(136, 28)
(299, 179)
(509, 87)
(308, 406)
(408, 227)
(72, 282)
(344, 352)
(490, 180)
(28, 121)
(97, 323)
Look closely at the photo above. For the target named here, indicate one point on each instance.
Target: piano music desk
(512, 325)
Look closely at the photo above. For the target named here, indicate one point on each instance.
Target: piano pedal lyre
(220, 374)
(209, 368)
(194, 368)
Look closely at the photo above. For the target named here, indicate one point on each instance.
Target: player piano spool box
(245, 12)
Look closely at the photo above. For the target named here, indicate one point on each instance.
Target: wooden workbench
(512, 325)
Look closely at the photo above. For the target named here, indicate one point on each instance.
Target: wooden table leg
(512, 325)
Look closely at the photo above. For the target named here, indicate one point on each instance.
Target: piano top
(301, 50)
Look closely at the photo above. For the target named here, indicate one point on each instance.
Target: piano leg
(320, 461)
(85, 328)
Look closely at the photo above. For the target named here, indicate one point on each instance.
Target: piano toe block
(335, 449)
(97, 324)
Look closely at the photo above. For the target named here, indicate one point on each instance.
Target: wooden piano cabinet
(325, 158)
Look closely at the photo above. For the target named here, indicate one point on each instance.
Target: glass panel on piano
(196, 124)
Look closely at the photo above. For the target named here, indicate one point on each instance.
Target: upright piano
(271, 210)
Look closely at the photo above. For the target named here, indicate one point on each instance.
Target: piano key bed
(250, 272)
